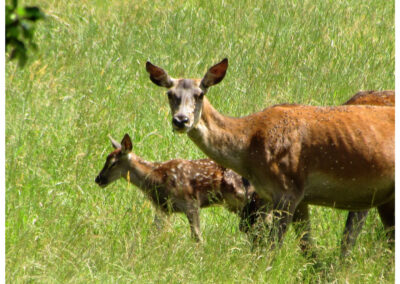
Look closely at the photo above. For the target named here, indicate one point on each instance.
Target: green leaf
(12, 32)
(19, 26)
(31, 13)
(19, 52)
(10, 15)
(20, 11)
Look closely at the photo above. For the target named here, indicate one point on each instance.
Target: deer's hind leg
(386, 212)
(355, 221)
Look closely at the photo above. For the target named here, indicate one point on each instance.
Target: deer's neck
(141, 174)
(224, 139)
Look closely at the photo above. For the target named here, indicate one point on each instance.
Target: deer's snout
(180, 120)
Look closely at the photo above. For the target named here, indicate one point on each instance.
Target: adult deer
(342, 157)
(255, 209)
(177, 185)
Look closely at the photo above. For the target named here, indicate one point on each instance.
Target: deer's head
(186, 95)
(117, 163)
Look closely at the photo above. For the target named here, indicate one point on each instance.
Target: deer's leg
(282, 216)
(302, 226)
(193, 215)
(254, 219)
(386, 212)
(254, 209)
(355, 221)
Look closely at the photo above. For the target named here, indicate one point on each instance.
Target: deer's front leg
(302, 226)
(284, 209)
(193, 215)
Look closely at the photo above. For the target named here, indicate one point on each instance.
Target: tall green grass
(88, 80)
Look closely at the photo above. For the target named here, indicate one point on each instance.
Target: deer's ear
(215, 74)
(126, 144)
(158, 76)
(114, 143)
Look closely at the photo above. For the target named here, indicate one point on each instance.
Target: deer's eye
(199, 96)
(113, 165)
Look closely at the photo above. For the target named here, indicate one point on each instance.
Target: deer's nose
(180, 120)
(101, 181)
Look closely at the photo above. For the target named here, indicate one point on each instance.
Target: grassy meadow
(88, 80)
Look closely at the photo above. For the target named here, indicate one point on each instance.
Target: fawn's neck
(224, 139)
(140, 173)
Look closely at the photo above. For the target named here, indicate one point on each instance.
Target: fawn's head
(186, 95)
(117, 163)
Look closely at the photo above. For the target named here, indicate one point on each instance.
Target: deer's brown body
(294, 151)
(342, 157)
(255, 208)
(177, 185)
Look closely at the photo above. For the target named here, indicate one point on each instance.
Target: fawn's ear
(215, 74)
(158, 76)
(126, 144)
(114, 143)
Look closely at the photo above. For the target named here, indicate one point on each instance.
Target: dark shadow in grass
(319, 270)
(260, 242)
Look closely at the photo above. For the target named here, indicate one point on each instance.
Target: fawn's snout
(101, 181)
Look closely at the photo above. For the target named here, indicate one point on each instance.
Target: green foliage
(88, 80)
(19, 30)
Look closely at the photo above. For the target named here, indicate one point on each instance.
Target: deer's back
(378, 98)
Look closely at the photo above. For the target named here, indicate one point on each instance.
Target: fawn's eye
(113, 165)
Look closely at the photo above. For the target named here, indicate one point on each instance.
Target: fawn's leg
(193, 215)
